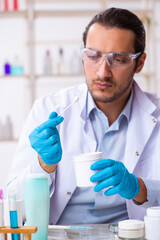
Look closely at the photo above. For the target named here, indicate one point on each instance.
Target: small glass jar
(131, 229)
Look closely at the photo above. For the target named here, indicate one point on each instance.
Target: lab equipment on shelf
(16, 67)
(47, 63)
(61, 66)
(7, 68)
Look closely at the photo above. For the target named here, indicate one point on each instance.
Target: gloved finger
(47, 133)
(102, 164)
(48, 142)
(112, 191)
(101, 175)
(108, 182)
(51, 123)
(53, 115)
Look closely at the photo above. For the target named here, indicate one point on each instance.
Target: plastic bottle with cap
(131, 229)
(152, 223)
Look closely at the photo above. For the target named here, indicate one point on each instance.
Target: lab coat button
(154, 120)
(137, 153)
(68, 193)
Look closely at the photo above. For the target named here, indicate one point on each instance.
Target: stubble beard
(100, 95)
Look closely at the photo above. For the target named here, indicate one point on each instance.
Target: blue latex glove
(45, 140)
(115, 176)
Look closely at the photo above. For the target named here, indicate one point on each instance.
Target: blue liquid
(14, 224)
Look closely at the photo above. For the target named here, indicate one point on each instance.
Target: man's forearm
(46, 167)
(142, 195)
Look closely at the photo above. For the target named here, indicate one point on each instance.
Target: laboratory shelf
(59, 76)
(65, 13)
(14, 14)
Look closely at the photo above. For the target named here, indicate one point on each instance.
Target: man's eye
(120, 59)
(93, 56)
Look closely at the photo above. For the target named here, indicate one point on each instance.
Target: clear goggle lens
(115, 59)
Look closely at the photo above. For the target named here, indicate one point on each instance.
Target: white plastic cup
(82, 163)
(37, 204)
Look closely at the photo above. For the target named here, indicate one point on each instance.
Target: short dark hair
(120, 18)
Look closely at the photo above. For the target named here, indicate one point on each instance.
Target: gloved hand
(45, 140)
(115, 176)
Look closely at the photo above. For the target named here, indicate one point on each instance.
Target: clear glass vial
(131, 229)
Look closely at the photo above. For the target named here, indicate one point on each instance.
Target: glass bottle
(61, 63)
(47, 64)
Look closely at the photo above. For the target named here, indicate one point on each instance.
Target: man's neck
(113, 109)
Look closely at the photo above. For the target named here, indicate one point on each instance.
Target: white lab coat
(142, 151)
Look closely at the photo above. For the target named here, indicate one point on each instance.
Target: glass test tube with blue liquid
(13, 213)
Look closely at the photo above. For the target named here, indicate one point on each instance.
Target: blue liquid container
(14, 224)
(13, 213)
(7, 69)
(37, 204)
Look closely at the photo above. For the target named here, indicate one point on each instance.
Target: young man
(112, 115)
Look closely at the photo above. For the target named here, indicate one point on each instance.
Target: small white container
(152, 223)
(131, 229)
(82, 163)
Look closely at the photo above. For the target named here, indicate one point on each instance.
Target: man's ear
(141, 62)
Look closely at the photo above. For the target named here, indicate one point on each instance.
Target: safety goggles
(113, 59)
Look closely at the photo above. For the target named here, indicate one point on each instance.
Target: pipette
(75, 100)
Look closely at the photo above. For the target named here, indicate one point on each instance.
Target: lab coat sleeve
(25, 159)
(153, 193)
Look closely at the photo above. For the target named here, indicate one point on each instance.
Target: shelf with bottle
(14, 14)
(13, 69)
(60, 64)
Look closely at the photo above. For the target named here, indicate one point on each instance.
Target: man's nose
(104, 69)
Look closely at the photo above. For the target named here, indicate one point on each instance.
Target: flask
(131, 229)
(37, 204)
(61, 62)
(47, 67)
(1, 213)
(152, 223)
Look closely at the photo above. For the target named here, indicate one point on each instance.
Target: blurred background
(40, 43)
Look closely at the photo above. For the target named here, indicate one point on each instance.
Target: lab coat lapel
(140, 128)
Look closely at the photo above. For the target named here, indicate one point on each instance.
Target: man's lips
(103, 85)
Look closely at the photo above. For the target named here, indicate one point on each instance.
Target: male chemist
(113, 115)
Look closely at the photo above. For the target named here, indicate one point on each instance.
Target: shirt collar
(126, 111)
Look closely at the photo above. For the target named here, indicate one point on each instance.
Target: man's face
(108, 83)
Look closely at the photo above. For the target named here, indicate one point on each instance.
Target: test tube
(13, 213)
